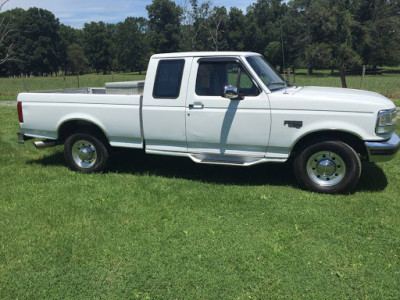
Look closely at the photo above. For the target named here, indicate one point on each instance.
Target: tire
(328, 167)
(85, 152)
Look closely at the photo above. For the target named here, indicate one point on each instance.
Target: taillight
(20, 116)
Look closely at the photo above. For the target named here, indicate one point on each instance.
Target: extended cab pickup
(228, 108)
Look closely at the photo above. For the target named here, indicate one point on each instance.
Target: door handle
(196, 106)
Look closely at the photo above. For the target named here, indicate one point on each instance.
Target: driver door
(226, 127)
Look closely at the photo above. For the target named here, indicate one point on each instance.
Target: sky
(77, 12)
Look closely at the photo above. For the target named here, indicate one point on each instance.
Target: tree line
(335, 34)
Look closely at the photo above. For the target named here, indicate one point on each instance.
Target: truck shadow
(372, 178)
(139, 163)
(136, 162)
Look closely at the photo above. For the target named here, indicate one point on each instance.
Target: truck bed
(115, 112)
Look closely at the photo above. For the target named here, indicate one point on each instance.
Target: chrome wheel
(326, 168)
(84, 154)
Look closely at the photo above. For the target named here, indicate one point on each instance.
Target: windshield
(266, 72)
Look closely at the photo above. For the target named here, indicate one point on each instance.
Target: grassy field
(10, 87)
(386, 84)
(165, 228)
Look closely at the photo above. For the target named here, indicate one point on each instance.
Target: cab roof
(203, 54)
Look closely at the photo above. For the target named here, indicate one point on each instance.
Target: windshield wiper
(276, 83)
(280, 85)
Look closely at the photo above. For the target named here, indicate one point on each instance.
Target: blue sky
(77, 12)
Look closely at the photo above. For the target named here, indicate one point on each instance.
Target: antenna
(283, 50)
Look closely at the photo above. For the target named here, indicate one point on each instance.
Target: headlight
(386, 121)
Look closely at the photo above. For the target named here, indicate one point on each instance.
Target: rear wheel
(85, 152)
(328, 167)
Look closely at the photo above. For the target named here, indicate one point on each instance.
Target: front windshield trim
(266, 73)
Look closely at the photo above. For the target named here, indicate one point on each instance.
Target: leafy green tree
(273, 52)
(216, 27)
(236, 29)
(35, 34)
(6, 47)
(267, 15)
(253, 39)
(132, 46)
(164, 25)
(98, 46)
(68, 37)
(328, 34)
(378, 39)
(77, 62)
(195, 35)
(319, 55)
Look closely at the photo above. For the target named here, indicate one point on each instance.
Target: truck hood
(331, 99)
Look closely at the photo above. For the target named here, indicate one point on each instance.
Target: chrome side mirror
(230, 92)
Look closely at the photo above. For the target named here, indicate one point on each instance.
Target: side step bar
(227, 161)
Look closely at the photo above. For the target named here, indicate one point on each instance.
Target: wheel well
(71, 127)
(352, 140)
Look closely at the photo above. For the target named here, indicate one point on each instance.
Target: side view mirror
(231, 92)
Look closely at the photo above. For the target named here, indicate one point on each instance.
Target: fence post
(288, 75)
(25, 85)
(362, 76)
(65, 81)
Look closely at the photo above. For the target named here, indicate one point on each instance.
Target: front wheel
(328, 167)
(85, 152)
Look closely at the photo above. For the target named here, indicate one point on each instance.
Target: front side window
(168, 79)
(213, 76)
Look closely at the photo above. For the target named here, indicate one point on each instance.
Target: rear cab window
(168, 80)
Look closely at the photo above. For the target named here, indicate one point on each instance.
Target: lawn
(155, 227)
(387, 83)
(10, 87)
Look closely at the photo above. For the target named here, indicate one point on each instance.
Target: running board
(228, 161)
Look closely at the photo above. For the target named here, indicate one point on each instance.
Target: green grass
(155, 227)
(386, 84)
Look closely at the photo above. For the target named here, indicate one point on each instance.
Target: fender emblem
(293, 124)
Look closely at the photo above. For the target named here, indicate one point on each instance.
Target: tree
(77, 62)
(35, 34)
(133, 49)
(98, 46)
(236, 29)
(328, 34)
(216, 28)
(267, 15)
(193, 25)
(379, 34)
(164, 25)
(6, 48)
(68, 37)
(273, 52)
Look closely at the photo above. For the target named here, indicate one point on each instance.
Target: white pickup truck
(228, 108)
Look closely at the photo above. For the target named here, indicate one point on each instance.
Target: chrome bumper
(383, 151)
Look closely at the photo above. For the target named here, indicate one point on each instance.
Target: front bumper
(383, 151)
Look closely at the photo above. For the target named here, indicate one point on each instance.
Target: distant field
(388, 83)
(385, 84)
(10, 87)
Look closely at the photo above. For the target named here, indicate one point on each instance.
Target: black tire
(86, 152)
(328, 167)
